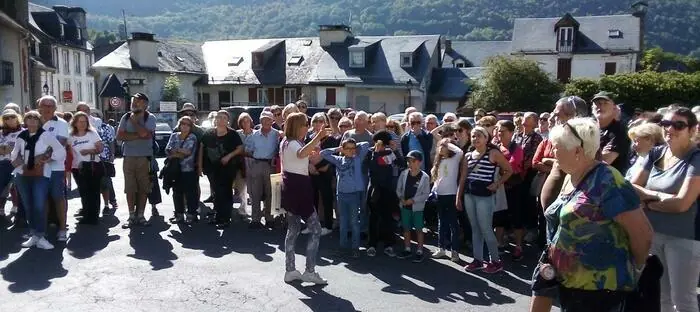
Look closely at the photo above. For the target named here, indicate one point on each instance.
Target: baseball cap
(603, 95)
(140, 96)
(266, 114)
(415, 155)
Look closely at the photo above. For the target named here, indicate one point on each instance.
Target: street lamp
(46, 89)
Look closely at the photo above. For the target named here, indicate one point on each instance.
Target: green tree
(101, 38)
(171, 88)
(653, 58)
(514, 84)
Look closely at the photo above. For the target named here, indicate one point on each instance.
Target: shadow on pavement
(89, 239)
(149, 245)
(10, 240)
(34, 269)
(320, 300)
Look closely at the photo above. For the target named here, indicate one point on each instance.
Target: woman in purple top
(297, 196)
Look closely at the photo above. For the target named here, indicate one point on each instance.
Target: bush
(648, 90)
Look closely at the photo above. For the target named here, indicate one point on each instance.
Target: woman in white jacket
(33, 149)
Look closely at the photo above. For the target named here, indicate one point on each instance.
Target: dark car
(163, 131)
(235, 111)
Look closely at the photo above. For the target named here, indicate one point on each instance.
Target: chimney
(144, 49)
(448, 45)
(639, 10)
(333, 34)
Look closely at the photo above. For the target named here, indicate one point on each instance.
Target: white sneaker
(325, 231)
(439, 254)
(454, 256)
(306, 231)
(44, 244)
(309, 277)
(30, 242)
(292, 276)
(62, 236)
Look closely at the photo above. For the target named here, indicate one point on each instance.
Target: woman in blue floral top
(108, 137)
(182, 146)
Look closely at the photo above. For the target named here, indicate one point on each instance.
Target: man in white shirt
(57, 182)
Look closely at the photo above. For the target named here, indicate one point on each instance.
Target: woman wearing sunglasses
(669, 185)
(11, 127)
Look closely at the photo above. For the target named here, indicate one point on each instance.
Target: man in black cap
(614, 142)
(136, 130)
(189, 110)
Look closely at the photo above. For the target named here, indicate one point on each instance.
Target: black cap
(415, 155)
(140, 96)
(603, 95)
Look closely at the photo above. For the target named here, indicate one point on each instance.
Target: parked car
(163, 131)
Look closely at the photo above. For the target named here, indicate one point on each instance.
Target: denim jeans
(448, 235)
(34, 192)
(681, 260)
(186, 191)
(349, 209)
(480, 212)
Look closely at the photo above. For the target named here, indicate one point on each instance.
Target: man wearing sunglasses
(614, 142)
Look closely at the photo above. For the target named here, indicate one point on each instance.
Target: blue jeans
(349, 208)
(448, 236)
(34, 192)
(480, 212)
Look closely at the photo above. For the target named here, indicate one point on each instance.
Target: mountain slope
(671, 24)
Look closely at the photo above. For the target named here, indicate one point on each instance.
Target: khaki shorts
(136, 175)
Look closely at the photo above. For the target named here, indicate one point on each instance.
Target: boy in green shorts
(413, 189)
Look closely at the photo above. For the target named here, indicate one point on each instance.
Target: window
(8, 77)
(330, 97)
(295, 60)
(63, 30)
(79, 87)
(290, 95)
(80, 37)
(357, 59)
(204, 99)
(35, 51)
(66, 62)
(56, 60)
(76, 61)
(406, 60)
(307, 42)
(224, 98)
(262, 95)
(459, 64)
(564, 70)
(566, 39)
(614, 33)
(610, 68)
(58, 90)
(67, 85)
(91, 92)
(88, 61)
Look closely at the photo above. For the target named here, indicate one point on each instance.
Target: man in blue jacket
(417, 138)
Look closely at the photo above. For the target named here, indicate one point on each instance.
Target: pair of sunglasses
(677, 125)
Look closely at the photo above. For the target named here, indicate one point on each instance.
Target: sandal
(142, 222)
(177, 219)
(129, 223)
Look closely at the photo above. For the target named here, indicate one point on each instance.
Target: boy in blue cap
(413, 189)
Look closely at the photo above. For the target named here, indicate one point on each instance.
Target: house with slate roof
(335, 69)
(143, 63)
(14, 54)
(61, 55)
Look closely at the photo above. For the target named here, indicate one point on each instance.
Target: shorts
(57, 185)
(137, 177)
(105, 184)
(411, 219)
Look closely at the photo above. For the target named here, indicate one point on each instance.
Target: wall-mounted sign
(67, 96)
(135, 81)
(168, 106)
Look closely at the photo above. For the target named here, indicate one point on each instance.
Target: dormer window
(357, 59)
(80, 37)
(295, 60)
(406, 60)
(614, 33)
(459, 64)
(63, 30)
(566, 39)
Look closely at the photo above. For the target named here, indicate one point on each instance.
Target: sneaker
(440, 253)
(306, 231)
(31, 242)
(292, 276)
(355, 253)
(313, 278)
(474, 265)
(418, 257)
(371, 252)
(454, 256)
(404, 254)
(389, 252)
(517, 253)
(325, 231)
(494, 267)
(44, 244)
(62, 236)
(106, 211)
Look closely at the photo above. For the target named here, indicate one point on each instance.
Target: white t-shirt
(290, 162)
(80, 143)
(446, 183)
(59, 128)
(9, 141)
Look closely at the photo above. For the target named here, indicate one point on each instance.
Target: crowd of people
(594, 193)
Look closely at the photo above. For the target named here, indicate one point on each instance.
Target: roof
(10, 22)
(475, 53)
(229, 61)
(381, 68)
(537, 34)
(174, 56)
(452, 83)
(111, 87)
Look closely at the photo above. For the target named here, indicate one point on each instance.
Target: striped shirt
(481, 169)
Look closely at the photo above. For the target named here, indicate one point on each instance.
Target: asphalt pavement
(168, 267)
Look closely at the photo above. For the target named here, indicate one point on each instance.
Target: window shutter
(270, 95)
(330, 97)
(252, 95)
(279, 96)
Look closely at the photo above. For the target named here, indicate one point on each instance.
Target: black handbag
(110, 171)
(92, 168)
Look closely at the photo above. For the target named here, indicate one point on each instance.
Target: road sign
(67, 96)
(115, 102)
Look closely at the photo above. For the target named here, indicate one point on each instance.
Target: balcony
(565, 47)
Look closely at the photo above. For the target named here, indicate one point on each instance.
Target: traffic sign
(115, 102)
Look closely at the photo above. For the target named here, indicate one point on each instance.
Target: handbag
(110, 171)
(92, 168)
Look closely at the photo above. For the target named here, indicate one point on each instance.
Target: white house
(61, 55)
(14, 58)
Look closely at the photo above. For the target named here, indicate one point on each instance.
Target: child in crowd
(413, 189)
(445, 175)
(350, 188)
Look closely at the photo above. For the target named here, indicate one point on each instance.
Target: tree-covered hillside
(671, 24)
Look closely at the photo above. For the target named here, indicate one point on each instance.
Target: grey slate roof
(452, 83)
(537, 34)
(475, 52)
(219, 54)
(382, 68)
(175, 57)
